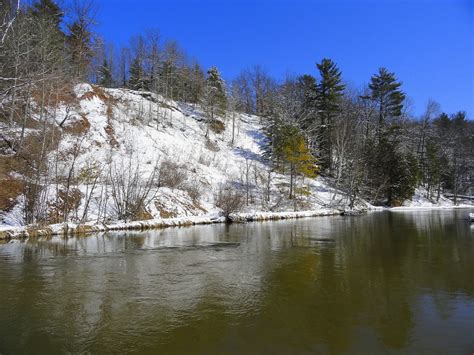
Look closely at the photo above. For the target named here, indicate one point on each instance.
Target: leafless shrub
(172, 175)
(66, 204)
(230, 200)
(131, 192)
(211, 146)
(194, 190)
(204, 159)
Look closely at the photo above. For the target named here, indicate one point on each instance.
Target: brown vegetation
(9, 191)
(217, 126)
(78, 127)
(172, 175)
(230, 200)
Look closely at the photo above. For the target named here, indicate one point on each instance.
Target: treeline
(365, 141)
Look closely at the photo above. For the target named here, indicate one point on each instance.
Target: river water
(386, 282)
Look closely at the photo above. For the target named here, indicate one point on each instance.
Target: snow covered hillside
(119, 146)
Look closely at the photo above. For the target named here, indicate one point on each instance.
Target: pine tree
(105, 74)
(214, 100)
(386, 93)
(308, 97)
(80, 47)
(49, 37)
(136, 80)
(394, 173)
(329, 94)
(48, 10)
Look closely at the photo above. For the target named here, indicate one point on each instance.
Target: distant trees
(453, 139)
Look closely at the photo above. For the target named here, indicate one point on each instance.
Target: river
(386, 282)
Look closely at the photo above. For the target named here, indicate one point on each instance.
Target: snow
(143, 129)
(420, 201)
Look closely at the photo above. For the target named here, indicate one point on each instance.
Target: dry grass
(164, 213)
(211, 146)
(53, 96)
(217, 126)
(79, 127)
(10, 189)
(142, 214)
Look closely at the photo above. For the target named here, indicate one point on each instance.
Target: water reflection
(382, 282)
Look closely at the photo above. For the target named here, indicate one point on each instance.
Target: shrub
(217, 126)
(230, 200)
(194, 190)
(172, 175)
(213, 147)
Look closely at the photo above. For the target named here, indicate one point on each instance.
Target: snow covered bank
(70, 229)
(164, 145)
(429, 207)
(159, 152)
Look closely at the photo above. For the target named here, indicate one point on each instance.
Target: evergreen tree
(214, 100)
(394, 173)
(105, 74)
(49, 11)
(49, 38)
(80, 47)
(136, 80)
(307, 88)
(329, 94)
(386, 93)
(291, 149)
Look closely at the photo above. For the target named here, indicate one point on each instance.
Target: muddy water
(387, 282)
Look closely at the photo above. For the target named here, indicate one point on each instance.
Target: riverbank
(428, 208)
(72, 229)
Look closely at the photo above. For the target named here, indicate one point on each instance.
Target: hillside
(120, 148)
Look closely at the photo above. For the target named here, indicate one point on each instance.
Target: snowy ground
(130, 130)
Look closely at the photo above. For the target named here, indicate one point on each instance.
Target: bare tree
(229, 200)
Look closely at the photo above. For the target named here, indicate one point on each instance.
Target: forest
(365, 141)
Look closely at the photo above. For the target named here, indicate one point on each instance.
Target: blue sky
(429, 44)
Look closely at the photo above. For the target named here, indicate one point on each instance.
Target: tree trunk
(291, 182)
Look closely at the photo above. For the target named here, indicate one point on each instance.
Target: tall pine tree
(329, 94)
(386, 93)
(391, 170)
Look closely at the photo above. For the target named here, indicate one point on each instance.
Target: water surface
(387, 282)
